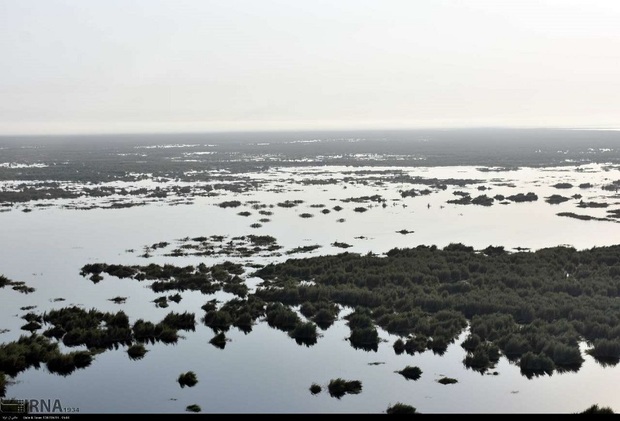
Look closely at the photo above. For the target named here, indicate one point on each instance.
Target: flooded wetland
(450, 271)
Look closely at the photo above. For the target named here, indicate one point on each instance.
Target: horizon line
(301, 130)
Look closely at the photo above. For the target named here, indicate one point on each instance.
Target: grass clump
(31, 326)
(230, 204)
(341, 245)
(323, 313)
(364, 334)
(365, 338)
(218, 320)
(180, 321)
(401, 408)
(136, 352)
(16, 285)
(219, 340)
(304, 334)
(188, 379)
(339, 387)
(175, 298)
(411, 373)
(536, 364)
(447, 380)
(303, 249)
(595, 409)
(65, 364)
(161, 302)
(281, 317)
(315, 389)
(193, 408)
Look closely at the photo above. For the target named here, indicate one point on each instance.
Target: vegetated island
(534, 308)
(15, 285)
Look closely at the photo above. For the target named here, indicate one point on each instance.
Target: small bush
(536, 363)
(175, 298)
(595, 409)
(315, 389)
(281, 317)
(304, 333)
(188, 379)
(399, 346)
(230, 204)
(365, 338)
(401, 408)
(218, 320)
(82, 359)
(136, 352)
(219, 340)
(339, 387)
(185, 321)
(31, 326)
(410, 373)
(62, 364)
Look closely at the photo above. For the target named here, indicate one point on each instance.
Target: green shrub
(281, 317)
(315, 389)
(339, 387)
(219, 340)
(401, 408)
(188, 379)
(62, 364)
(411, 373)
(595, 409)
(218, 320)
(136, 352)
(399, 346)
(531, 363)
(304, 333)
(365, 338)
(193, 408)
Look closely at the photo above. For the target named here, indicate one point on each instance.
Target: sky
(119, 66)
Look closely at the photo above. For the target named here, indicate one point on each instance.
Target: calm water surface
(265, 370)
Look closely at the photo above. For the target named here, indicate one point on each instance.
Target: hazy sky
(69, 66)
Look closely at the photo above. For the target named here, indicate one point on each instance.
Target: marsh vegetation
(401, 408)
(193, 408)
(136, 351)
(411, 373)
(539, 310)
(524, 304)
(315, 389)
(188, 379)
(339, 387)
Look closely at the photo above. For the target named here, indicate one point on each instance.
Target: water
(266, 371)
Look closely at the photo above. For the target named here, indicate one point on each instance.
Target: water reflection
(68, 239)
